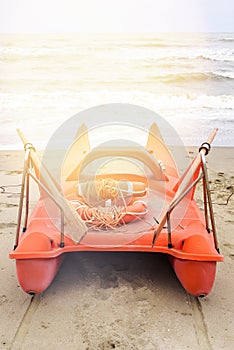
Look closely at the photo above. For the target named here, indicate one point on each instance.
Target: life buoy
(134, 211)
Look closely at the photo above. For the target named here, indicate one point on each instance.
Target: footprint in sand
(9, 205)
(3, 299)
(14, 172)
(13, 195)
(7, 225)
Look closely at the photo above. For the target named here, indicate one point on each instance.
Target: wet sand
(118, 301)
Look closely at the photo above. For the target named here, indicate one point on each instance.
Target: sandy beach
(118, 301)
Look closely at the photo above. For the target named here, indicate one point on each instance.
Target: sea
(188, 79)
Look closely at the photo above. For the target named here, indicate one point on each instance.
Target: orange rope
(103, 218)
(108, 217)
(107, 189)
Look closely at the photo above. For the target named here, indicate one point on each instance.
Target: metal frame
(27, 173)
(208, 209)
(206, 190)
(177, 201)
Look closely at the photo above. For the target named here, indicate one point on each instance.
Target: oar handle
(212, 135)
(22, 137)
(27, 144)
(205, 146)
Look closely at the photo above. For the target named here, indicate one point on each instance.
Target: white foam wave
(119, 50)
(61, 100)
(225, 74)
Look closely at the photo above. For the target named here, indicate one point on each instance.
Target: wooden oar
(184, 186)
(75, 225)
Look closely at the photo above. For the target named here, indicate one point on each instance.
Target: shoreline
(218, 155)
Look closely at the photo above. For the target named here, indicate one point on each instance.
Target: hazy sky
(54, 16)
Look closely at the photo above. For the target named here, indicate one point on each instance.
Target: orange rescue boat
(133, 202)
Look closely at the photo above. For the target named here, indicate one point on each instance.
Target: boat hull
(193, 256)
(197, 277)
(35, 275)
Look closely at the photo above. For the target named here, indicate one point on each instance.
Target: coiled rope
(110, 216)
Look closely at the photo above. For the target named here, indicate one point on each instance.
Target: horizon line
(121, 32)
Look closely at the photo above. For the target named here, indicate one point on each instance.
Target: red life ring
(134, 211)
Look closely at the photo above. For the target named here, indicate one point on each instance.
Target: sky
(62, 16)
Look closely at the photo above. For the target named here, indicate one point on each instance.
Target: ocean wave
(216, 58)
(65, 100)
(42, 52)
(229, 39)
(74, 79)
(195, 77)
(118, 50)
